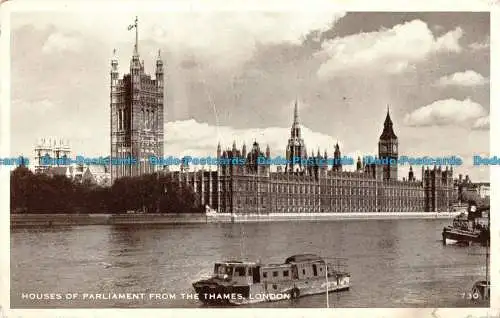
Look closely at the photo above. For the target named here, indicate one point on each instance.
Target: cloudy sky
(235, 76)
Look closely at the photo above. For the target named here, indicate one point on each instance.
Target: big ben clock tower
(388, 148)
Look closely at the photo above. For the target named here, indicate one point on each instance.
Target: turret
(359, 165)
(184, 165)
(234, 148)
(411, 177)
(268, 152)
(114, 68)
(244, 150)
(159, 70)
(218, 150)
(326, 159)
(337, 166)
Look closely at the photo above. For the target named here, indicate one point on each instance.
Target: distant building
(54, 148)
(57, 150)
(72, 172)
(97, 175)
(59, 171)
(465, 189)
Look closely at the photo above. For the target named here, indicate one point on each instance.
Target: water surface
(393, 263)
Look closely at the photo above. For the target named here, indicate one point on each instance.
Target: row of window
(363, 192)
(249, 200)
(325, 202)
(294, 188)
(276, 274)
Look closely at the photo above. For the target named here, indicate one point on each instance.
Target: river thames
(393, 263)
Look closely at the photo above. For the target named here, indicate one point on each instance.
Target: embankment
(19, 220)
(336, 216)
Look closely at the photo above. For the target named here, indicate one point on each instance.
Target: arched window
(153, 120)
(143, 120)
(120, 120)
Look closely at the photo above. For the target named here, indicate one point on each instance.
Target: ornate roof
(388, 132)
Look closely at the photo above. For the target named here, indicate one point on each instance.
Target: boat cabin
(245, 273)
(297, 267)
(277, 272)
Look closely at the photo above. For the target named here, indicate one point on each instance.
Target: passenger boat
(242, 282)
(469, 227)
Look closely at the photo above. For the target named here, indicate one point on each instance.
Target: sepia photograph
(188, 158)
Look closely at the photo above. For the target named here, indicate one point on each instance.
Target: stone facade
(136, 112)
(254, 188)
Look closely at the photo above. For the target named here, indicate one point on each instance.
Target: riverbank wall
(103, 219)
(19, 220)
(273, 217)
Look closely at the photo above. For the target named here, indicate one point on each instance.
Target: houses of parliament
(254, 188)
(137, 131)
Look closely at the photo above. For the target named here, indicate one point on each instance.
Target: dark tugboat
(469, 227)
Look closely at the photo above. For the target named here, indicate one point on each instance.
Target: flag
(130, 27)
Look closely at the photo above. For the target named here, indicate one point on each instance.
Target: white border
(257, 5)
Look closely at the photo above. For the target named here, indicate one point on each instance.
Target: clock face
(383, 148)
(394, 148)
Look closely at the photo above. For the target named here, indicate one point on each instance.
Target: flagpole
(326, 277)
(136, 35)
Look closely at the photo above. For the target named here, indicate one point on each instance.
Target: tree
(40, 193)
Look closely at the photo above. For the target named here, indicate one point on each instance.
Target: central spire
(296, 112)
(296, 147)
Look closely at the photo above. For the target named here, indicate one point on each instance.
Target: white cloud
(476, 46)
(467, 78)
(390, 50)
(236, 35)
(482, 123)
(59, 42)
(224, 37)
(446, 112)
(449, 41)
(189, 137)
